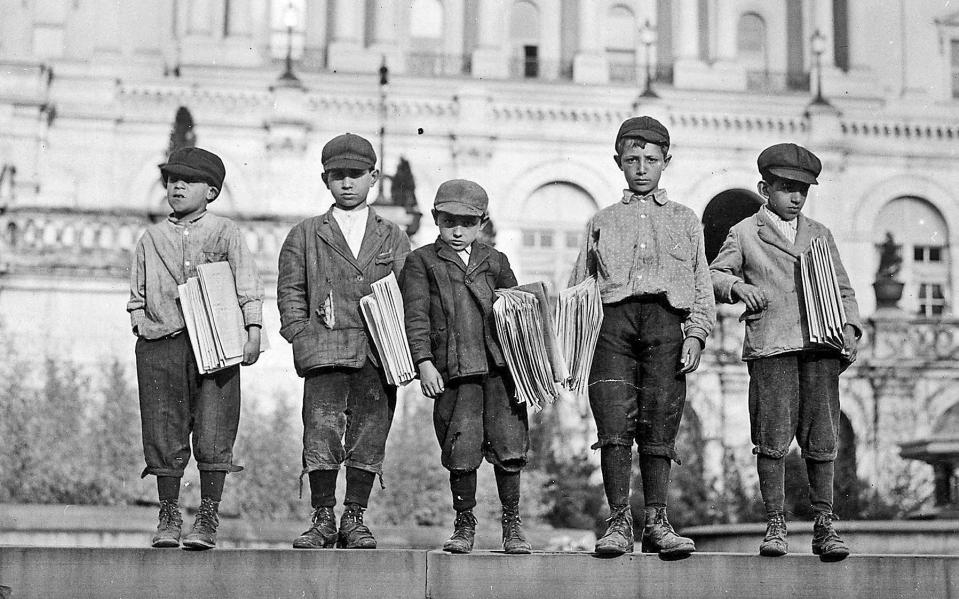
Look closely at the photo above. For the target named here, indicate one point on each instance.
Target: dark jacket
(317, 272)
(449, 307)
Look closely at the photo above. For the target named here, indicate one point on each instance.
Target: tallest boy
(647, 254)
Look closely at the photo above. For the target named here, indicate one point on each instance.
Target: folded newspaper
(821, 296)
(213, 318)
(579, 315)
(384, 315)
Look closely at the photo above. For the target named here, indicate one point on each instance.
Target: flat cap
(195, 163)
(645, 128)
(348, 151)
(789, 161)
(461, 196)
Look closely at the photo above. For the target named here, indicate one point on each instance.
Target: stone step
(139, 573)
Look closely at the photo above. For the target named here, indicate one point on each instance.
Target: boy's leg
(818, 437)
(162, 384)
(613, 387)
(458, 424)
(370, 405)
(216, 418)
(324, 424)
(773, 414)
(506, 424)
(662, 396)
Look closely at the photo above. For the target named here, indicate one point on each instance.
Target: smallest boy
(175, 399)
(793, 385)
(448, 296)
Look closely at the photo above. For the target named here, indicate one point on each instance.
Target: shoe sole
(307, 545)
(773, 552)
(342, 545)
(681, 551)
(831, 556)
(198, 545)
(456, 550)
(165, 544)
(612, 550)
(522, 551)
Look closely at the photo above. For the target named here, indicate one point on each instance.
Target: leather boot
(203, 535)
(464, 531)
(774, 544)
(619, 532)
(514, 539)
(825, 540)
(322, 534)
(659, 536)
(353, 533)
(168, 528)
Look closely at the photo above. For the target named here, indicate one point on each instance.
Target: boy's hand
(430, 379)
(692, 352)
(752, 296)
(251, 349)
(850, 343)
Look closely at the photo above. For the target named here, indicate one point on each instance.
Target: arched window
(920, 231)
(620, 33)
(554, 217)
(751, 42)
(524, 39)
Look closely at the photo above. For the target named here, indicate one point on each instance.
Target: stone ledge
(85, 572)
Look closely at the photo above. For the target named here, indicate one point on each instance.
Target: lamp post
(818, 45)
(647, 37)
(384, 81)
(290, 19)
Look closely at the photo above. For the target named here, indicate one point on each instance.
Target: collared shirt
(464, 255)
(168, 253)
(648, 245)
(353, 225)
(788, 228)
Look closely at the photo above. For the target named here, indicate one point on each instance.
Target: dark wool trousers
(175, 401)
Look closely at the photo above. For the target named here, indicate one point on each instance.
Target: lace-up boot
(353, 533)
(168, 528)
(825, 540)
(659, 536)
(619, 532)
(322, 534)
(514, 539)
(464, 530)
(203, 535)
(774, 544)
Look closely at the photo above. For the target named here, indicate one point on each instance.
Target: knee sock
(507, 485)
(616, 463)
(654, 470)
(820, 485)
(211, 484)
(772, 483)
(359, 484)
(323, 488)
(463, 487)
(168, 488)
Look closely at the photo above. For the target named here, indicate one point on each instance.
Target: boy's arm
(726, 269)
(415, 288)
(249, 288)
(291, 286)
(506, 276)
(847, 294)
(401, 250)
(136, 305)
(582, 267)
(702, 314)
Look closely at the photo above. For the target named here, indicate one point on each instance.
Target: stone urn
(888, 292)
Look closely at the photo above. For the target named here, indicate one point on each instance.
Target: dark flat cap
(348, 151)
(460, 196)
(645, 128)
(789, 161)
(195, 163)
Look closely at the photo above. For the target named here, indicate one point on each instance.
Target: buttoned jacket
(755, 252)
(449, 307)
(320, 284)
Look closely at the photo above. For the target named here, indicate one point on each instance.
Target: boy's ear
(666, 160)
(374, 175)
(763, 188)
(326, 179)
(211, 193)
(618, 161)
(435, 214)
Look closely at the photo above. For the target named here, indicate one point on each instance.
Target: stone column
(346, 51)
(689, 71)
(314, 41)
(727, 72)
(490, 59)
(590, 64)
(386, 20)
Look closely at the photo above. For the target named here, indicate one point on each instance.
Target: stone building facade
(523, 96)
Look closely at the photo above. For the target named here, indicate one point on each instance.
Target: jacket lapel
(331, 234)
(768, 233)
(478, 256)
(373, 236)
(445, 252)
(804, 234)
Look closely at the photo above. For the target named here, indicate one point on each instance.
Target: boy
(448, 297)
(175, 399)
(793, 386)
(327, 264)
(647, 254)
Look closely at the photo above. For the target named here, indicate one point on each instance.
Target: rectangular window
(529, 239)
(932, 300)
(927, 253)
(954, 66)
(530, 62)
(572, 240)
(545, 239)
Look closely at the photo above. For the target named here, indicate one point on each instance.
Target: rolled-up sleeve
(702, 314)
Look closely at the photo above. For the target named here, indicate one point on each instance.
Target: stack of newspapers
(214, 321)
(822, 297)
(548, 355)
(579, 315)
(384, 315)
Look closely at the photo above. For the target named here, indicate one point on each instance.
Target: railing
(768, 81)
(438, 65)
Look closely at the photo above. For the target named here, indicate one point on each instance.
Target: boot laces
(619, 519)
(170, 513)
(354, 513)
(776, 526)
(206, 518)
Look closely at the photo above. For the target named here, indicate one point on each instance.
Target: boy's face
(188, 196)
(350, 186)
(642, 166)
(458, 230)
(785, 197)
